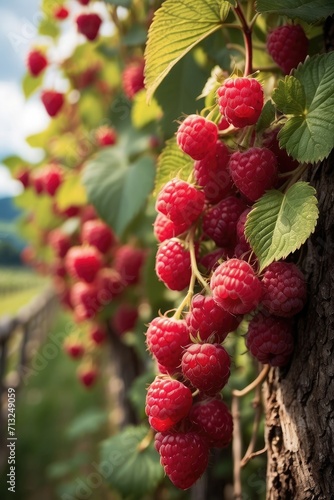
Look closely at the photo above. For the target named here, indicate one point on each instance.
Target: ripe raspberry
(241, 230)
(98, 334)
(253, 171)
(284, 289)
(173, 265)
(60, 12)
(212, 174)
(285, 163)
(270, 339)
(164, 228)
(87, 374)
(184, 456)
(36, 62)
(84, 2)
(206, 366)
(288, 46)
(125, 319)
(52, 101)
(210, 261)
(240, 101)
(205, 319)
(181, 202)
(128, 261)
(197, 136)
(110, 285)
(235, 287)
(74, 348)
(88, 24)
(167, 402)
(58, 269)
(133, 78)
(105, 136)
(60, 242)
(97, 233)
(220, 221)
(166, 338)
(52, 176)
(83, 262)
(83, 298)
(214, 421)
(23, 176)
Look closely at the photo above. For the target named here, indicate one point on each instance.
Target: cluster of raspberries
(184, 404)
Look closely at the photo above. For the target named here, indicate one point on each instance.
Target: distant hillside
(11, 244)
(8, 211)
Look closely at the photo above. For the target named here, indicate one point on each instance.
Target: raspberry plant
(191, 127)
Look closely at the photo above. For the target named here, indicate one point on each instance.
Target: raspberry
(105, 136)
(240, 101)
(167, 402)
(133, 78)
(164, 228)
(285, 163)
(36, 62)
(83, 298)
(110, 285)
(52, 176)
(128, 261)
(206, 366)
(184, 456)
(52, 101)
(220, 221)
(172, 264)
(98, 234)
(211, 260)
(253, 171)
(125, 318)
(60, 12)
(84, 2)
(74, 348)
(213, 419)
(87, 374)
(197, 136)
(60, 242)
(98, 334)
(284, 289)
(241, 230)
(288, 46)
(88, 24)
(270, 339)
(23, 176)
(181, 202)
(166, 339)
(205, 319)
(83, 262)
(212, 174)
(235, 287)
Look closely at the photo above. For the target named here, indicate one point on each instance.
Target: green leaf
(172, 163)
(308, 135)
(31, 83)
(48, 27)
(136, 35)
(137, 392)
(14, 162)
(267, 116)
(71, 192)
(143, 113)
(176, 28)
(280, 223)
(131, 471)
(117, 189)
(120, 3)
(289, 97)
(307, 10)
(86, 423)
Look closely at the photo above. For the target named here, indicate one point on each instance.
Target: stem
(256, 424)
(146, 441)
(194, 268)
(259, 379)
(247, 33)
(236, 449)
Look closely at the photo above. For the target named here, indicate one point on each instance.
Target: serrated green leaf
(176, 28)
(171, 163)
(280, 223)
(289, 96)
(267, 116)
(31, 83)
(131, 471)
(143, 113)
(307, 10)
(117, 189)
(71, 192)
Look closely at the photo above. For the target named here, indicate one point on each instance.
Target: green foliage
(71, 192)
(267, 116)
(309, 11)
(279, 224)
(31, 83)
(172, 163)
(143, 113)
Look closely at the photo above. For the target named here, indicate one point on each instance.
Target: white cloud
(8, 186)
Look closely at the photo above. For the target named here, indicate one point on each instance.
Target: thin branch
(256, 425)
(236, 449)
(259, 379)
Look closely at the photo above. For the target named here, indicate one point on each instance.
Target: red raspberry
(128, 261)
(253, 171)
(88, 213)
(88, 24)
(84, 2)
(133, 78)
(172, 264)
(83, 298)
(240, 101)
(60, 12)
(53, 101)
(83, 262)
(205, 319)
(37, 181)
(125, 318)
(97, 233)
(105, 136)
(211, 260)
(212, 174)
(220, 221)
(110, 285)
(213, 419)
(87, 374)
(241, 230)
(98, 334)
(184, 456)
(181, 202)
(36, 62)
(270, 339)
(167, 402)
(285, 163)
(197, 136)
(284, 289)
(74, 348)
(288, 46)
(60, 242)
(235, 287)
(164, 228)
(206, 366)
(166, 338)
(58, 269)
(23, 176)
(52, 176)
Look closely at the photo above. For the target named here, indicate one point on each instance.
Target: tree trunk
(300, 399)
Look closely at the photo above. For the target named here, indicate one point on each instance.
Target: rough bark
(300, 399)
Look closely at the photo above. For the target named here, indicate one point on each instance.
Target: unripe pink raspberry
(213, 420)
(253, 171)
(133, 78)
(235, 287)
(220, 221)
(240, 101)
(167, 402)
(284, 289)
(197, 136)
(164, 228)
(270, 339)
(181, 202)
(206, 366)
(128, 261)
(173, 265)
(288, 46)
(183, 455)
